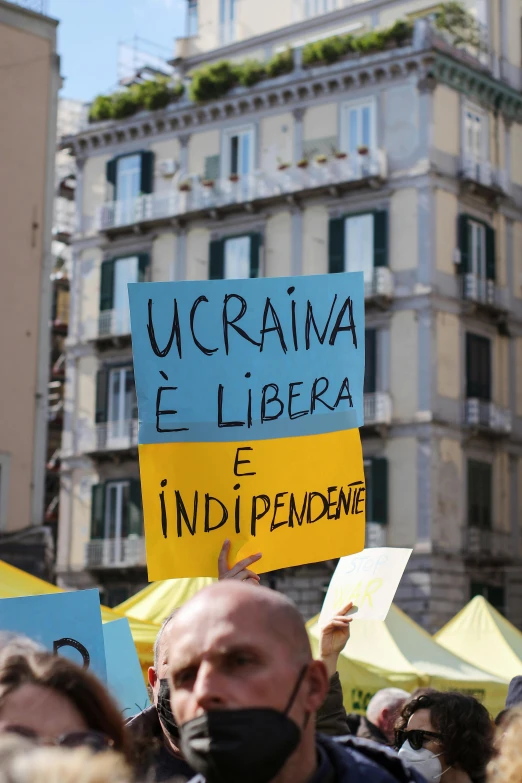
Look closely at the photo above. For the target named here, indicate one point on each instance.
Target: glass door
(121, 407)
(358, 244)
(125, 271)
(128, 185)
(116, 526)
(237, 258)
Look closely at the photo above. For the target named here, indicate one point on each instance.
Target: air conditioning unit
(168, 167)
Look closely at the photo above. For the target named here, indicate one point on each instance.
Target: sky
(90, 31)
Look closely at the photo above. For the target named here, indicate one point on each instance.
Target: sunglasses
(94, 740)
(416, 737)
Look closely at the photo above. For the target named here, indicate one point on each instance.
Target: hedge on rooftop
(214, 81)
(151, 94)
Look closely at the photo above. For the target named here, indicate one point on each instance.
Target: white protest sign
(370, 579)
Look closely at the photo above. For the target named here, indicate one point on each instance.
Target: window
(114, 299)
(358, 126)
(239, 152)
(192, 18)
(376, 478)
(478, 367)
(370, 366)
(358, 243)
(227, 21)
(495, 595)
(316, 7)
(475, 139)
(480, 494)
(477, 248)
(235, 257)
(116, 511)
(130, 176)
(121, 405)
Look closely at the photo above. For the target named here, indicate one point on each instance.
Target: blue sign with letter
(124, 675)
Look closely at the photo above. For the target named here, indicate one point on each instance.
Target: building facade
(400, 158)
(29, 83)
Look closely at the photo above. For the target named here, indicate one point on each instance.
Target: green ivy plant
(454, 18)
(151, 94)
(329, 50)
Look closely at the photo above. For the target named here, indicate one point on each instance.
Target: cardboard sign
(370, 579)
(67, 623)
(250, 393)
(124, 675)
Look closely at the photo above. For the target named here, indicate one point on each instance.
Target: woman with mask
(446, 736)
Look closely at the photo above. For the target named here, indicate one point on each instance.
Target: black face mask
(164, 711)
(232, 746)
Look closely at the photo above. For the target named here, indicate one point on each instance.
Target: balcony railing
(199, 197)
(483, 173)
(110, 323)
(479, 289)
(380, 285)
(114, 552)
(377, 408)
(489, 543)
(487, 416)
(109, 436)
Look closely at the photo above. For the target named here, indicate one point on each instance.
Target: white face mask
(426, 762)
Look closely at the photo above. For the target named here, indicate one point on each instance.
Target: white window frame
(120, 485)
(368, 278)
(192, 24)
(344, 124)
(227, 21)
(226, 156)
(118, 428)
(5, 470)
(225, 243)
(121, 316)
(482, 155)
(478, 266)
(312, 8)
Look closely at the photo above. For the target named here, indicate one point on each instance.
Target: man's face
(228, 657)
(161, 671)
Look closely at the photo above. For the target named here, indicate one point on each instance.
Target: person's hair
(387, 698)
(12, 643)
(83, 690)
(157, 640)
(25, 763)
(506, 767)
(422, 692)
(465, 727)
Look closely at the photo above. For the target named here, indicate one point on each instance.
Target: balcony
(109, 436)
(488, 417)
(110, 323)
(115, 553)
(482, 291)
(226, 195)
(377, 409)
(381, 284)
(487, 544)
(481, 176)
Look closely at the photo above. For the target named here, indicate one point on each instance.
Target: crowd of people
(237, 697)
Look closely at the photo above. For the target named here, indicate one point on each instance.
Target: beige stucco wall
(198, 243)
(277, 141)
(501, 518)
(89, 296)
(500, 249)
(163, 257)
(85, 401)
(518, 375)
(94, 190)
(402, 466)
(315, 240)
(446, 212)
(514, 52)
(448, 355)
(497, 152)
(278, 245)
(390, 14)
(404, 365)
(501, 371)
(449, 497)
(320, 121)
(516, 157)
(25, 100)
(79, 532)
(517, 258)
(403, 230)
(446, 120)
(201, 145)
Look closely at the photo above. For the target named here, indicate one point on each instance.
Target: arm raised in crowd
(331, 717)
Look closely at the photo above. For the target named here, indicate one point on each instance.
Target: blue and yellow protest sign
(66, 623)
(250, 395)
(124, 675)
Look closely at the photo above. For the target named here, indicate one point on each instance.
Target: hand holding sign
(240, 571)
(334, 638)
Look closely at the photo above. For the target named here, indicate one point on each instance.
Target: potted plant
(208, 183)
(282, 165)
(321, 159)
(362, 149)
(185, 186)
(339, 154)
(234, 178)
(302, 164)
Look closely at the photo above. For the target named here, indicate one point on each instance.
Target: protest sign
(250, 393)
(124, 675)
(67, 623)
(370, 579)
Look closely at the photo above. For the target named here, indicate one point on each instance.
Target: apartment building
(398, 156)
(29, 83)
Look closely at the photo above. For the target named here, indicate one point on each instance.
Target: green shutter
(147, 172)
(217, 260)
(380, 490)
(135, 509)
(102, 391)
(143, 267)
(336, 245)
(212, 165)
(107, 285)
(110, 171)
(380, 238)
(463, 230)
(490, 253)
(97, 512)
(370, 361)
(255, 252)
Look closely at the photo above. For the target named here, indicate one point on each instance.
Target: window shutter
(380, 238)
(255, 252)
(380, 490)
(490, 253)
(110, 171)
(212, 165)
(135, 509)
(370, 367)
(336, 245)
(143, 267)
(463, 229)
(107, 285)
(478, 367)
(147, 172)
(102, 391)
(217, 260)
(97, 512)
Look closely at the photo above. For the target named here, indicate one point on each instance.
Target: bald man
(245, 690)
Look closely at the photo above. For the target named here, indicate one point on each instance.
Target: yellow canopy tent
(15, 583)
(480, 635)
(400, 652)
(156, 601)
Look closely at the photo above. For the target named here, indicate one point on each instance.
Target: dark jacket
(333, 721)
(154, 761)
